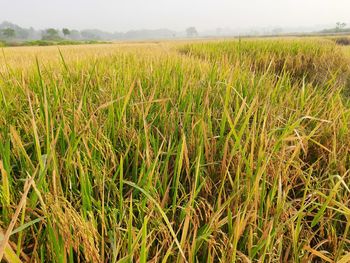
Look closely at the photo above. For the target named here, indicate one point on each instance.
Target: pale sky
(123, 15)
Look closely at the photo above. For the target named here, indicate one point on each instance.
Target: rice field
(216, 151)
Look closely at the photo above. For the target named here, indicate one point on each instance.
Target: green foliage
(52, 43)
(8, 33)
(66, 32)
(51, 34)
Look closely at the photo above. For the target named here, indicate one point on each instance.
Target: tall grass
(209, 152)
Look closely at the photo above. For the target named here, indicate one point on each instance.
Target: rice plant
(229, 151)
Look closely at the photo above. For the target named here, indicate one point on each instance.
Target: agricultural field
(216, 151)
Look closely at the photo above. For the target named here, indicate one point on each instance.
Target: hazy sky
(122, 15)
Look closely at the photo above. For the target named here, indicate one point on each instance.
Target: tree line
(12, 32)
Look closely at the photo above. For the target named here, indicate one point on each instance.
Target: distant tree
(9, 33)
(75, 34)
(191, 32)
(340, 26)
(66, 32)
(90, 35)
(51, 34)
(277, 31)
